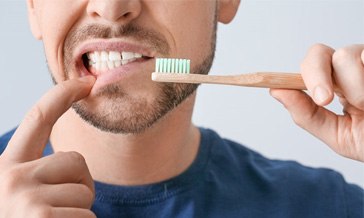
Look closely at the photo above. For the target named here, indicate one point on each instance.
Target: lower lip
(117, 74)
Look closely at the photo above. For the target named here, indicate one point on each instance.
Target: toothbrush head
(172, 65)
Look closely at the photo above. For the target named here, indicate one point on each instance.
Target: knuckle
(92, 215)
(76, 157)
(319, 48)
(298, 120)
(87, 195)
(315, 51)
(303, 120)
(90, 195)
(62, 87)
(358, 101)
(36, 115)
(342, 54)
(42, 212)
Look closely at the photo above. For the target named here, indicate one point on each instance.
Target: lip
(117, 74)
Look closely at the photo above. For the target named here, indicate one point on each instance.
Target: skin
(45, 186)
(327, 72)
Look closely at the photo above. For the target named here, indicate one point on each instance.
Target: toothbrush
(178, 71)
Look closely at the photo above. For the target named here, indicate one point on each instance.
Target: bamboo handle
(281, 80)
(260, 79)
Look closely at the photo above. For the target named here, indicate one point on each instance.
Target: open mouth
(98, 62)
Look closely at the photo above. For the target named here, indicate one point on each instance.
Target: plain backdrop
(265, 36)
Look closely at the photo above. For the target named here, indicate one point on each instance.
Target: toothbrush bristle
(171, 65)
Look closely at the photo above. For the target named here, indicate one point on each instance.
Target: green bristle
(188, 66)
(164, 65)
(169, 64)
(184, 65)
(173, 65)
(157, 65)
(180, 66)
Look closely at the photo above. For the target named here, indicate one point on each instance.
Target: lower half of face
(133, 108)
(130, 102)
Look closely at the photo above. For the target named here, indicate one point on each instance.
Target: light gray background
(265, 36)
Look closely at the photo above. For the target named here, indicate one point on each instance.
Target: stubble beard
(122, 113)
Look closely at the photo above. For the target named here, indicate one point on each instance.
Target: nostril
(112, 10)
(127, 15)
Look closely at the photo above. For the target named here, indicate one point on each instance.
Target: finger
(32, 135)
(315, 119)
(349, 74)
(316, 72)
(66, 195)
(63, 167)
(62, 212)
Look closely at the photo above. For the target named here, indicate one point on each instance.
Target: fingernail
(320, 95)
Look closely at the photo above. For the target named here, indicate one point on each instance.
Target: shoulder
(4, 139)
(243, 167)
(241, 157)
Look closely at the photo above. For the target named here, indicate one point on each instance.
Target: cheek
(195, 37)
(191, 25)
(58, 17)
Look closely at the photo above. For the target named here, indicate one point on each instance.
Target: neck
(161, 152)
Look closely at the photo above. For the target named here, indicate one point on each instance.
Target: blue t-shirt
(230, 180)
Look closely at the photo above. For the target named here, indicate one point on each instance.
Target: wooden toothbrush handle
(259, 79)
(279, 80)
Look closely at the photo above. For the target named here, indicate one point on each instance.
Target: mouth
(102, 58)
(113, 62)
(99, 62)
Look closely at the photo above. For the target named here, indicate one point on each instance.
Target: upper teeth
(103, 60)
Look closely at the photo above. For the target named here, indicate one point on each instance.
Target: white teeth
(103, 66)
(110, 64)
(137, 55)
(123, 62)
(118, 63)
(97, 65)
(114, 56)
(97, 56)
(104, 56)
(104, 60)
(127, 55)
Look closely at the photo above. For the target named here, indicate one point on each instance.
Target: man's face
(117, 41)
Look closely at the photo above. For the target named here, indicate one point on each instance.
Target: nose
(114, 10)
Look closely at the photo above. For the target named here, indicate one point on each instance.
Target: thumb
(315, 119)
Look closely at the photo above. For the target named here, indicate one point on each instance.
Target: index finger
(316, 71)
(32, 135)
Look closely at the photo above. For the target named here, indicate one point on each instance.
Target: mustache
(152, 39)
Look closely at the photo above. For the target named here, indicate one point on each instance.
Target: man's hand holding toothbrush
(327, 72)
